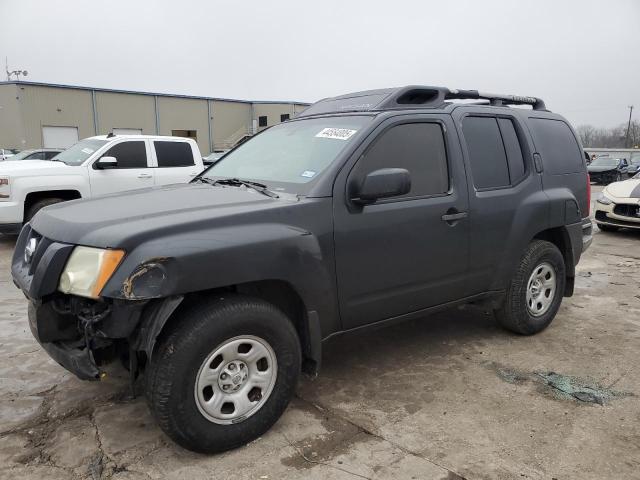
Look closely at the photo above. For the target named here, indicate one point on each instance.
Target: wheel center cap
(535, 287)
(233, 376)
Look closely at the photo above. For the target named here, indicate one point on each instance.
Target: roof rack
(496, 99)
(413, 96)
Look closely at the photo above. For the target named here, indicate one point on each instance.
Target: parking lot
(448, 397)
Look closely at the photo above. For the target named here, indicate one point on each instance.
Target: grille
(627, 210)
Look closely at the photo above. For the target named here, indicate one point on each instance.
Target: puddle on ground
(564, 387)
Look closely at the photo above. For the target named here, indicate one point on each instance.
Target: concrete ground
(452, 396)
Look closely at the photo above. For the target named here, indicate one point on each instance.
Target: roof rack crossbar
(496, 99)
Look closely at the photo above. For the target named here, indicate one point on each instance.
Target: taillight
(588, 194)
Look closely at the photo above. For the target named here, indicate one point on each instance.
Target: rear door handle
(454, 217)
(144, 175)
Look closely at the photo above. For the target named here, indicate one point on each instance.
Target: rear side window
(416, 147)
(486, 152)
(494, 150)
(513, 149)
(174, 154)
(556, 144)
(129, 154)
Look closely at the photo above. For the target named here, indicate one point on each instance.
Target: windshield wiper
(236, 182)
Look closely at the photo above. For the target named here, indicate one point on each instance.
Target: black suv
(367, 208)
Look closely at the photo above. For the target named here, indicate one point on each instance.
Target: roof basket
(497, 100)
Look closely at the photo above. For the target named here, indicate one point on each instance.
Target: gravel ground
(448, 397)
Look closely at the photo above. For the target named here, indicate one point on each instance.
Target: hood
(122, 220)
(32, 167)
(600, 168)
(626, 189)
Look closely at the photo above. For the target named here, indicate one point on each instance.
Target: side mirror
(383, 183)
(106, 163)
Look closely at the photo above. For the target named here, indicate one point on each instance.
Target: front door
(133, 169)
(403, 254)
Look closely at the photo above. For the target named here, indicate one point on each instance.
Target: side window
(417, 147)
(35, 156)
(513, 149)
(50, 155)
(486, 152)
(556, 144)
(129, 154)
(173, 154)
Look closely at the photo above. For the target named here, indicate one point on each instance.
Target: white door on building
(133, 169)
(127, 131)
(59, 137)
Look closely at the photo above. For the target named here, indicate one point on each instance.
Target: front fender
(207, 259)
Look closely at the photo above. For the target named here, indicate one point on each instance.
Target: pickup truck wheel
(536, 290)
(36, 207)
(224, 372)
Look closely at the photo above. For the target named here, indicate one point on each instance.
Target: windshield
(78, 153)
(22, 155)
(603, 161)
(289, 156)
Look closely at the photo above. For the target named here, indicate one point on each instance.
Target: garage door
(127, 131)
(59, 137)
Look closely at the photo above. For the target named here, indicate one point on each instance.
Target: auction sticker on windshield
(337, 133)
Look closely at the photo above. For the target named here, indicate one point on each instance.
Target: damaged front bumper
(81, 334)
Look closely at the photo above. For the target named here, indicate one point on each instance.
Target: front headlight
(88, 270)
(603, 199)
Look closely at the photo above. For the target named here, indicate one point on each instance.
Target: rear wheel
(40, 204)
(535, 292)
(607, 228)
(224, 373)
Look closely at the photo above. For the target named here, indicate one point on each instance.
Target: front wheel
(536, 290)
(224, 373)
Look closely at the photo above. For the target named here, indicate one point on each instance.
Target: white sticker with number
(337, 133)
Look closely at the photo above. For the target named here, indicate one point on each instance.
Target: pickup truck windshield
(78, 153)
(289, 156)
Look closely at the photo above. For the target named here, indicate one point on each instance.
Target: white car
(94, 166)
(618, 205)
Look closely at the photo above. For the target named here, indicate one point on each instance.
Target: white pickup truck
(94, 166)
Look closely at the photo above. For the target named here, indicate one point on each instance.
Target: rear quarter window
(557, 145)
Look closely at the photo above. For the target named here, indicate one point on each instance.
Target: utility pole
(626, 140)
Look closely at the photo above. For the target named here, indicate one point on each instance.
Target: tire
(184, 352)
(607, 228)
(516, 313)
(40, 204)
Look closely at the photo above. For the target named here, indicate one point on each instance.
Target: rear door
(133, 170)
(502, 180)
(174, 161)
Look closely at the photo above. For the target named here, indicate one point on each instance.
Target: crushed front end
(79, 332)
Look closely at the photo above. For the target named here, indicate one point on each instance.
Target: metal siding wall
(11, 135)
(272, 111)
(124, 110)
(228, 118)
(185, 114)
(50, 106)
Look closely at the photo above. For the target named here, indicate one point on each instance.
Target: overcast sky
(582, 57)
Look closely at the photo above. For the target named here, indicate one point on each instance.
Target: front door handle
(144, 175)
(452, 216)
